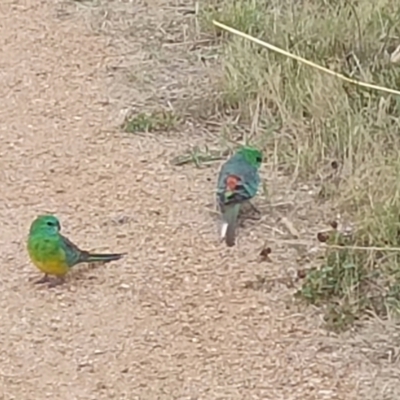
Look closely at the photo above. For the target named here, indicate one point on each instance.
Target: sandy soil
(176, 319)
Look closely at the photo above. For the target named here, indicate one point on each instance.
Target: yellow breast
(52, 267)
(47, 255)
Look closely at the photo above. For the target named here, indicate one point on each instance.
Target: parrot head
(252, 155)
(46, 223)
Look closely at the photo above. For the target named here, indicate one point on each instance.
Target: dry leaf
(323, 237)
(264, 254)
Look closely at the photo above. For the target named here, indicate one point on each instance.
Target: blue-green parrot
(238, 182)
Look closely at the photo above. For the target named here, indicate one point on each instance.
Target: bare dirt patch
(177, 318)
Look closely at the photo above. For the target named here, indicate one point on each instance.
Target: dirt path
(174, 320)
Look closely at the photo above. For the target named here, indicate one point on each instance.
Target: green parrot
(54, 254)
(238, 182)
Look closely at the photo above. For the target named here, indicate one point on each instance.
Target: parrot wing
(73, 253)
(237, 182)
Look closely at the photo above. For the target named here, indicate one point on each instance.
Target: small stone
(124, 286)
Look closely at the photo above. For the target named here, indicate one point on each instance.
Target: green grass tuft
(151, 122)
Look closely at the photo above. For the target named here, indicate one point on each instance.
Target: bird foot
(56, 282)
(254, 217)
(252, 212)
(51, 283)
(43, 279)
(254, 208)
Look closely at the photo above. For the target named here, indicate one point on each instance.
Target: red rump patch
(232, 181)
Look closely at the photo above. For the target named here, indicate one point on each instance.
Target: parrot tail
(230, 216)
(93, 257)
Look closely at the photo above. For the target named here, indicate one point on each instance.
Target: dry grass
(306, 120)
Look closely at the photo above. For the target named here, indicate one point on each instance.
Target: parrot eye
(259, 159)
(53, 224)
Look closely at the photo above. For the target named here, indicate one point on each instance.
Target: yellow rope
(303, 60)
